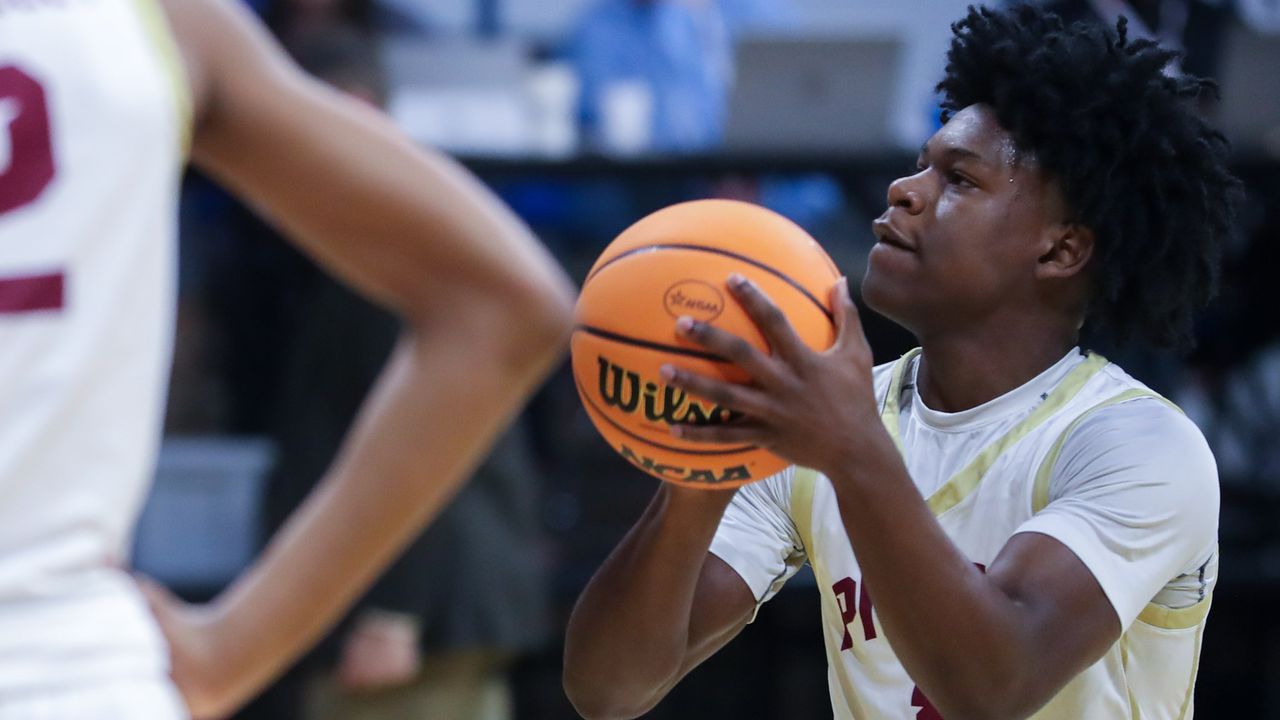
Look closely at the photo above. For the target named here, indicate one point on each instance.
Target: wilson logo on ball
(627, 391)
(671, 264)
(697, 299)
(693, 476)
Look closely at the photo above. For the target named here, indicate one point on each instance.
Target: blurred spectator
(656, 73)
(1193, 26)
(436, 634)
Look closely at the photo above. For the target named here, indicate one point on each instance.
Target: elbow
(989, 698)
(533, 323)
(598, 701)
(207, 696)
(543, 312)
(591, 707)
(516, 328)
(603, 690)
(974, 711)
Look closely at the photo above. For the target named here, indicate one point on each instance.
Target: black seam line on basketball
(647, 441)
(650, 345)
(727, 253)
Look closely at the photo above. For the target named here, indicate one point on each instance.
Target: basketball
(671, 263)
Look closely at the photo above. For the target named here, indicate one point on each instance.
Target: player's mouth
(889, 235)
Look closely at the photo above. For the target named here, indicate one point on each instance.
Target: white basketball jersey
(93, 124)
(1068, 455)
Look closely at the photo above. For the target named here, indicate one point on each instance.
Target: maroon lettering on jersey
(26, 148)
(853, 601)
(32, 293)
(846, 592)
(868, 620)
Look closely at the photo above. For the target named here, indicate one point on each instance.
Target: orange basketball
(675, 262)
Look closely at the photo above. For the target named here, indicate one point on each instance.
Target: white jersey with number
(93, 119)
(1082, 453)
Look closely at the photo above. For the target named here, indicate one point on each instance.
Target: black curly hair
(1120, 135)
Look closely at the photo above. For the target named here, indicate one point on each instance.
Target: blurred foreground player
(99, 106)
(1001, 525)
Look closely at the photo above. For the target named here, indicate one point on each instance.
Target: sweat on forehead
(975, 132)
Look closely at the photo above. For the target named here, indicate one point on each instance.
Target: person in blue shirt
(681, 51)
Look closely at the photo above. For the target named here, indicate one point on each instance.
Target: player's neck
(964, 370)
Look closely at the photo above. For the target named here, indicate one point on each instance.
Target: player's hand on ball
(809, 407)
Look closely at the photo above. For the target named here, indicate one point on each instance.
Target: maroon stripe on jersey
(32, 293)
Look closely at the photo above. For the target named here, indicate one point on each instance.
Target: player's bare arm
(980, 645)
(659, 606)
(485, 308)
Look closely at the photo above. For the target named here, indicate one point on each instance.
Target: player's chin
(885, 286)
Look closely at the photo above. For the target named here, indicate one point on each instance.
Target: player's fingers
(773, 323)
(849, 333)
(741, 398)
(161, 601)
(739, 433)
(730, 347)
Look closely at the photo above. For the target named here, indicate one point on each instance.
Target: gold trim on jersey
(1040, 493)
(963, 483)
(1195, 662)
(1134, 712)
(1176, 618)
(156, 27)
(888, 408)
(802, 485)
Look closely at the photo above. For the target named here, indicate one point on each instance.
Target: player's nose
(903, 194)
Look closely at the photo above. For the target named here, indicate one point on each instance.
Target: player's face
(959, 240)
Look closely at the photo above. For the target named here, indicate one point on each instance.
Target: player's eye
(956, 178)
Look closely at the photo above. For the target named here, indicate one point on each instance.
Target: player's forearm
(960, 637)
(628, 636)
(442, 399)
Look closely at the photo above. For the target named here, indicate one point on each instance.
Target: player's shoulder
(1121, 402)
(1127, 425)
(1122, 405)
(774, 491)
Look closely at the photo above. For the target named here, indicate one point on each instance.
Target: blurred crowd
(584, 121)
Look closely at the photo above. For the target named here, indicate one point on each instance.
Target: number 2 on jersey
(26, 151)
(26, 169)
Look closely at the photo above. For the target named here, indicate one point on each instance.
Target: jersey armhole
(155, 25)
(802, 486)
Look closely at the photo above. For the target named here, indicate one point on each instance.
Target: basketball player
(1001, 524)
(100, 106)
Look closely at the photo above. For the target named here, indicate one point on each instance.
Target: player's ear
(1070, 245)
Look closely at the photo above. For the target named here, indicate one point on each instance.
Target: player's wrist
(691, 515)
(704, 501)
(870, 457)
